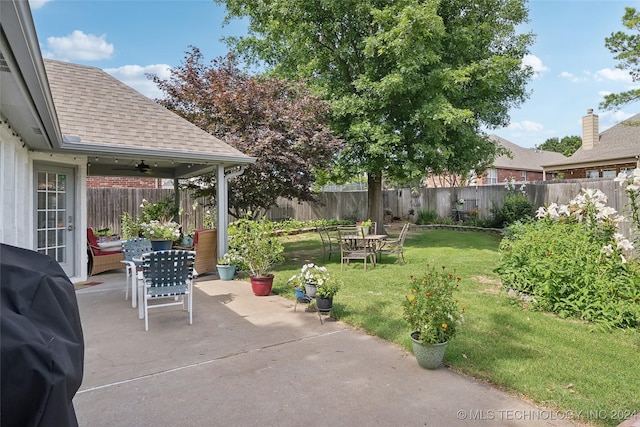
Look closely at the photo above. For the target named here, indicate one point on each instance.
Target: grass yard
(563, 364)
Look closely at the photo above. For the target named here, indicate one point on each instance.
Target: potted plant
(227, 265)
(259, 247)
(161, 233)
(325, 294)
(365, 226)
(433, 313)
(310, 277)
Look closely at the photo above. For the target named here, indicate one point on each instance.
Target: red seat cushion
(93, 241)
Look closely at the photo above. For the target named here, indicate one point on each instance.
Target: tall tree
(627, 50)
(567, 145)
(410, 82)
(275, 120)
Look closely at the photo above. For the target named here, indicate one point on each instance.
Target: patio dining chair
(354, 246)
(329, 243)
(131, 248)
(167, 275)
(395, 246)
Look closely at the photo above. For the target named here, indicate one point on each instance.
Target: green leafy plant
(427, 217)
(366, 223)
(432, 311)
(163, 210)
(573, 262)
(128, 227)
(516, 207)
(255, 241)
(329, 288)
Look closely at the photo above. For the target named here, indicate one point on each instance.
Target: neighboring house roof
(99, 114)
(621, 141)
(527, 159)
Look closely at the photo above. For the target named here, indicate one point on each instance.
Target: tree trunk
(375, 211)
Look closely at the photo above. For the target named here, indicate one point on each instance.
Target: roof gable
(528, 159)
(107, 114)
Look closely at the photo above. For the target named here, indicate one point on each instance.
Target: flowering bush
(574, 262)
(230, 258)
(160, 230)
(631, 182)
(431, 309)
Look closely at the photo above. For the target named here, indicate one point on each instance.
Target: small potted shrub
(227, 265)
(310, 277)
(326, 292)
(433, 313)
(258, 246)
(365, 226)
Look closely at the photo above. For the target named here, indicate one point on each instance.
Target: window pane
(61, 200)
(51, 238)
(51, 219)
(42, 181)
(42, 199)
(51, 181)
(42, 219)
(61, 236)
(611, 173)
(60, 255)
(51, 200)
(61, 182)
(42, 239)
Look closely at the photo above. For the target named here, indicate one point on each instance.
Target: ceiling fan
(141, 167)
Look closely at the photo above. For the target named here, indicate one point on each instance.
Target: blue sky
(128, 38)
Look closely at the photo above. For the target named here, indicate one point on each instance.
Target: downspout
(223, 207)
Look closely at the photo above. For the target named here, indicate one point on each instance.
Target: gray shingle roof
(105, 112)
(527, 159)
(619, 142)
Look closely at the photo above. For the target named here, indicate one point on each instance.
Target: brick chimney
(590, 132)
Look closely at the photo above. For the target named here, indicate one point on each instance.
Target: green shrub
(516, 207)
(572, 263)
(427, 217)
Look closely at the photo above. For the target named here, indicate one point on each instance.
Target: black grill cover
(41, 341)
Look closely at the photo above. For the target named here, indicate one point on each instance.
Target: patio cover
(41, 341)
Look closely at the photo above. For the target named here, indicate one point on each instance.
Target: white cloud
(526, 125)
(37, 4)
(79, 46)
(135, 77)
(614, 74)
(535, 63)
(572, 78)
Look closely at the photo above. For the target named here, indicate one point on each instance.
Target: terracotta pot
(261, 286)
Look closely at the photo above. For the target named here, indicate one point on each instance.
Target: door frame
(73, 255)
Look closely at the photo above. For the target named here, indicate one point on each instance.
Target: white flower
(625, 245)
(541, 212)
(607, 250)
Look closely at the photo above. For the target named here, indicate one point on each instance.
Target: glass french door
(55, 215)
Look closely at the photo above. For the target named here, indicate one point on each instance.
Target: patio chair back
(353, 246)
(329, 244)
(168, 274)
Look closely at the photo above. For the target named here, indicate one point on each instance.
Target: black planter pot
(324, 305)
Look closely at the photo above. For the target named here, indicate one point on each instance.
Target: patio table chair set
(353, 244)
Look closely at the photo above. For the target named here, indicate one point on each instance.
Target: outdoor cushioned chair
(205, 245)
(167, 275)
(103, 256)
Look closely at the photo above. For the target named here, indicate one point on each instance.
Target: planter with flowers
(316, 282)
(433, 313)
(365, 226)
(310, 277)
(227, 265)
(258, 245)
(161, 233)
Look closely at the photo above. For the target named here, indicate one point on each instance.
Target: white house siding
(17, 195)
(15, 179)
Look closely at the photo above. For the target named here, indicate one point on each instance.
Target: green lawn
(563, 364)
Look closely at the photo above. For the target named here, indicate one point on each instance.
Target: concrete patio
(249, 361)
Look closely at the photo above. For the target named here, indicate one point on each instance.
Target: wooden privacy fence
(105, 206)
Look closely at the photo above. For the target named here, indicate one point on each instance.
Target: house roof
(527, 159)
(99, 115)
(620, 142)
(25, 102)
